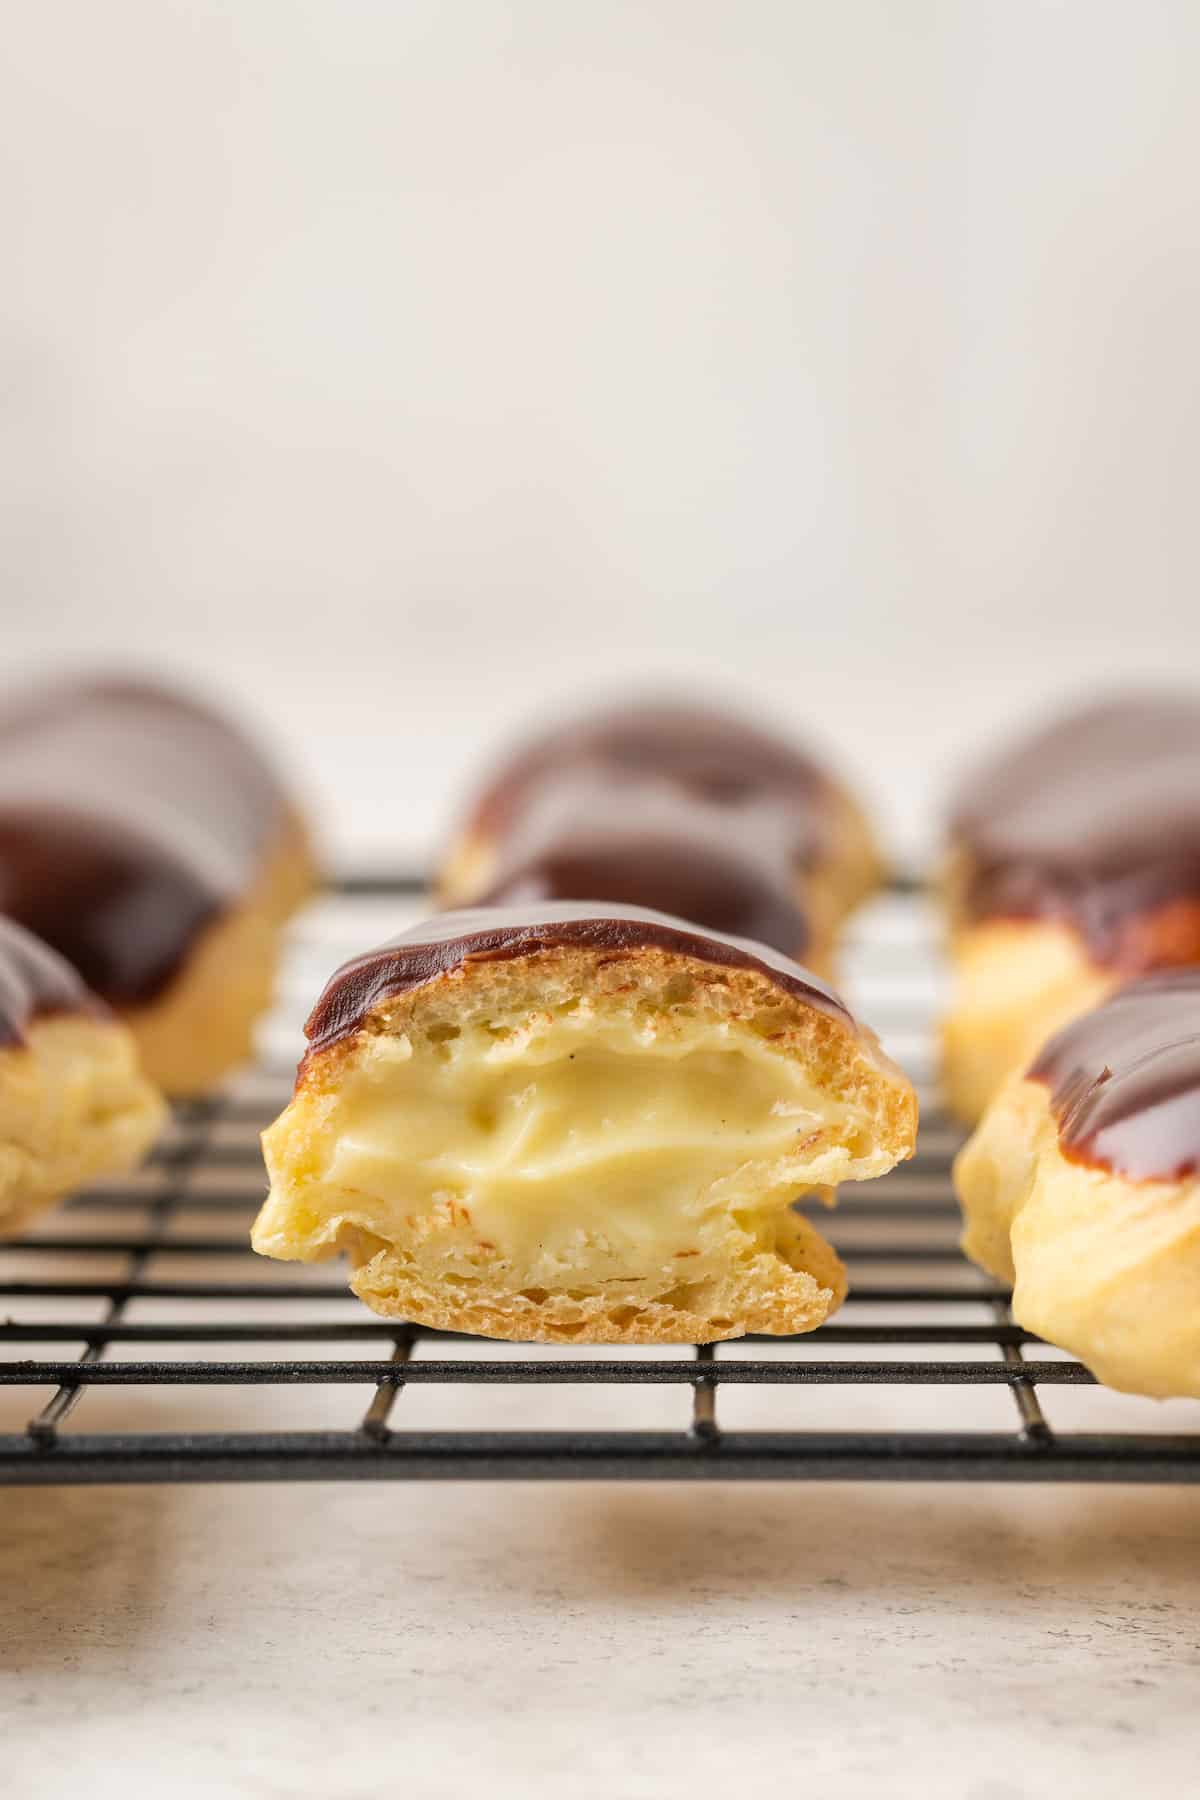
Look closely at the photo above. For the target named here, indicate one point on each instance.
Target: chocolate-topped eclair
(1082, 1187)
(74, 1104)
(1074, 865)
(148, 841)
(676, 806)
(564, 1121)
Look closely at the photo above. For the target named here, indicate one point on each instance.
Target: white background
(398, 369)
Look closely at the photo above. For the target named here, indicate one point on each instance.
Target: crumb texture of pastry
(1074, 866)
(1081, 1186)
(150, 843)
(74, 1103)
(675, 805)
(552, 1125)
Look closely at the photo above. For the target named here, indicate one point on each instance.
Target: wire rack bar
(542, 1373)
(600, 1456)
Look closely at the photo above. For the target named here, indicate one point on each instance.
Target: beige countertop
(977, 1644)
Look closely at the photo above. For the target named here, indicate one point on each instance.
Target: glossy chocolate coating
(617, 837)
(1095, 820)
(1124, 1080)
(681, 808)
(34, 982)
(130, 818)
(715, 756)
(493, 933)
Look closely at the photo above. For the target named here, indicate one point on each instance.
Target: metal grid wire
(135, 1296)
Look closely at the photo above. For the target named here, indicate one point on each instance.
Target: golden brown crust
(848, 1052)
(1103, 1266)
(774, 1277)
(203, 1025)
(1014, 982)
(790, 1291)
(74, 1106)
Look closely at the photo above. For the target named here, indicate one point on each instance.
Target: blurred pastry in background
(565, 1123)
(681, 807)
(74, 1104)
(1074, 865)
(1082, 1188)
(151, 844)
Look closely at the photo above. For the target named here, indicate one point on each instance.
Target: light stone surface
(596, 1640)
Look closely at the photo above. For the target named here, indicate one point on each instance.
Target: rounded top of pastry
(34, 982)
(1093, 818)
(437, 946)
(1124, 1080)
(130, 816)
(713, 755)
(599, 839)
(664, 802)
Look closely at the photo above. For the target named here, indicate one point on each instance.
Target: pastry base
(203, 1025)
(1015, 983)
(790, 1290)
(74, 1106)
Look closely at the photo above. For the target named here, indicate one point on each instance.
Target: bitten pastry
(150, 844)
(693, 811)
(1074, 866)
(1082, 1188)
(563, 1122)
(74, 1104)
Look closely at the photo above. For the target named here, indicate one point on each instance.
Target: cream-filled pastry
(677, 806)
(74, 1104)
(1082, 1187)
(149, 842)
(1074, 866)
(579, 1122)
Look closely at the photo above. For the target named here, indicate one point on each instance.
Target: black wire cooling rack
(133, 1297)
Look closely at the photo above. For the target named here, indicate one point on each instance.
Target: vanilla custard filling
(633, 1143)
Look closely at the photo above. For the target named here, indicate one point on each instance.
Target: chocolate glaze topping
(130, 817)
(1095, 820)
(1124, 1080)
(692, 811)
(436, 946)
(34, 982)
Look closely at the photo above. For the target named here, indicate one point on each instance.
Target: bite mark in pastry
(1082, 1187)
(74, 1104)
(149, 843)
(566, 1122)
(683, 808)
(1074, 866)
